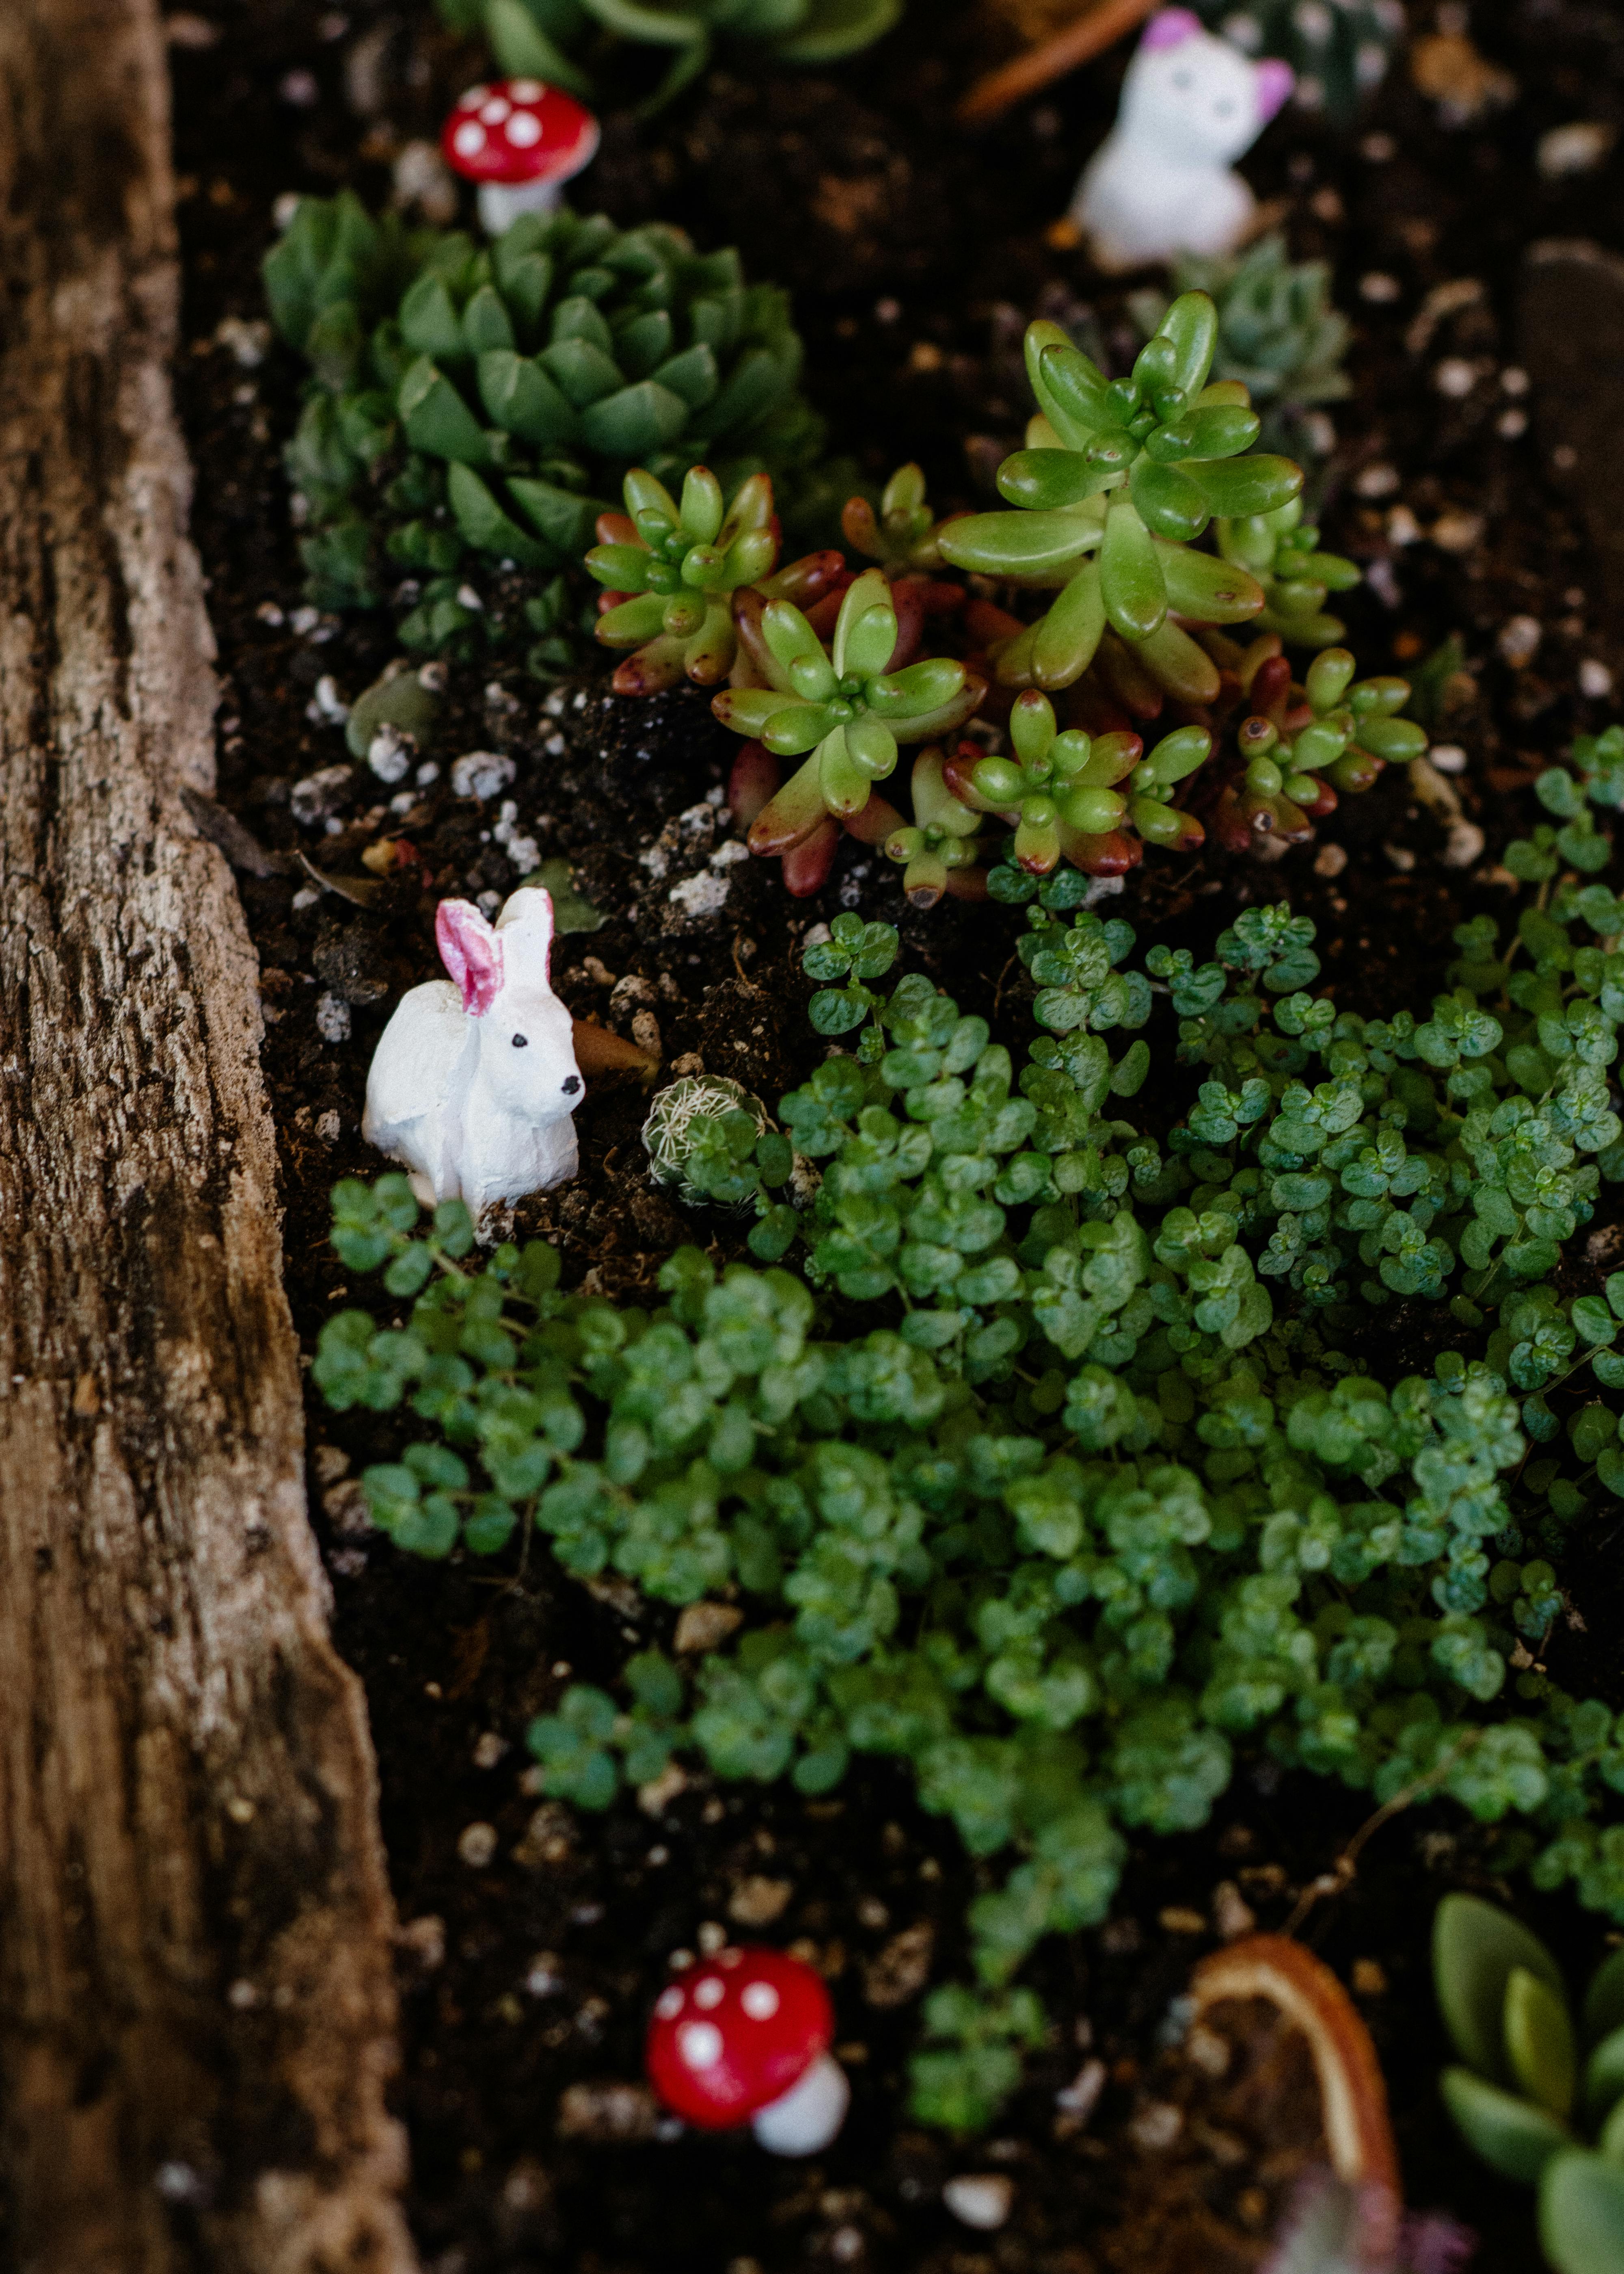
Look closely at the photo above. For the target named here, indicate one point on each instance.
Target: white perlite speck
(481, 774)
(704, 895)
(333, 1019)
(389, 755)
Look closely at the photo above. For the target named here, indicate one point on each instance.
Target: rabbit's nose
(572, 1085)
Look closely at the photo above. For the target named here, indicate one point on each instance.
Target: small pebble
(1448, 758)
(1402, 527)
(1573, 149)
(1511, 424)
(981, 2200)
(711, 1937)
(300, 89)
(1330, 861)
(1378, 481)
(845, 2244)
(1401, 856)
(1595, 680)
(424, 1940)
(329, 1127)
(306, 897)
(607, 2113)
(1376, 149)
(1455, 532)
(1455, 378)
(1232, 1915)
(1080, 2097)
(757, 1901)
(705, 1626)
(476, 1847)
(1518, 643)
(1177, 1918)
(490, 1750)
(1157, 2124)
(1379, 288)
(333, 1019)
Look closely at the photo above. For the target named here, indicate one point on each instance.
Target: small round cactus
(700, 1128)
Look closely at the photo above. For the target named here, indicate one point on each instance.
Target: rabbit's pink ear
(1170, 28)
(471, 952)
(1274, 83)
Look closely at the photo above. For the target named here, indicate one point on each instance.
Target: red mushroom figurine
(521, 141)
(744, 2039)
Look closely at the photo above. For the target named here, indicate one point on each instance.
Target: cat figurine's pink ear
(1274, 82)
(471, 952)
(1169, 27)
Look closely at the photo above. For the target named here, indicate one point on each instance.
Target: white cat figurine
(472, 1084)
(1163, 182)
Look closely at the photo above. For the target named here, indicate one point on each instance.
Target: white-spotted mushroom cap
(516, 132)
(736, 2034)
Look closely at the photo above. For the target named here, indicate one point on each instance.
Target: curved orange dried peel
(599, 1051)
(1353, 2096)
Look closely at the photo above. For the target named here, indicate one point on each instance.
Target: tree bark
(196, 2007)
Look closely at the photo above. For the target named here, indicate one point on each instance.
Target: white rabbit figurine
(472, 1085)
(1161, 183)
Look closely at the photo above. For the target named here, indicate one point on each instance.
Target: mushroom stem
(501, 203)
(808, 2115)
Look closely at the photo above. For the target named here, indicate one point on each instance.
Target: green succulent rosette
(841, 709)
(574, 43)
(1119, 479)
(470, 403)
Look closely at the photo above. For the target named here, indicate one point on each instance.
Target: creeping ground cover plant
(1051, 1445)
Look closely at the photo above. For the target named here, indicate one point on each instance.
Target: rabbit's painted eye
(572, 1085)
(521, 1042)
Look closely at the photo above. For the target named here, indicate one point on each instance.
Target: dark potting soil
(535, 1939)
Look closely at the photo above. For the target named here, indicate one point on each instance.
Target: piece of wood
(1097, 28)
(196, 2002)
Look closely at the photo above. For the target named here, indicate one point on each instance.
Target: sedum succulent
(1279, 333)
(1340, 49)
(1085, 797)
(1119, 478)
(841, 707)
(1282, 551)
(938, 850)
(1298, 746)
(467, 402)
(574, 43)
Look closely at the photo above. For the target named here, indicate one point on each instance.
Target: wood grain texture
(196, 2007)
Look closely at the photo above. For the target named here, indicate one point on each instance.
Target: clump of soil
(535, 1939)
